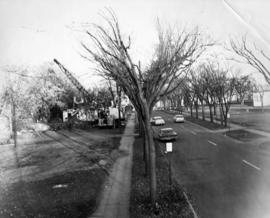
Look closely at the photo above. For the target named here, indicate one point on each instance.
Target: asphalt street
(223, 177)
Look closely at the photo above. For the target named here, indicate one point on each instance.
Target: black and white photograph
(134, 109)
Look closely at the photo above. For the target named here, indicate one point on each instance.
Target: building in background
(261, 97)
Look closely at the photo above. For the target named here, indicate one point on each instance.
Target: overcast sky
(34, 32)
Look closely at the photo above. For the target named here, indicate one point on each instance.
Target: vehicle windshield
(157, 118)
(166, 131)
(179, 116)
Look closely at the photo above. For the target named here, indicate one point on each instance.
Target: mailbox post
(169, 149)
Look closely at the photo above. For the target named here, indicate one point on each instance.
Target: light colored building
(262, 97)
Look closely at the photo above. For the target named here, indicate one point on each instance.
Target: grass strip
(205, 123)
(171, 201)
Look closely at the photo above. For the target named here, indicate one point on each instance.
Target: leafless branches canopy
(258, 61)
(173, 57)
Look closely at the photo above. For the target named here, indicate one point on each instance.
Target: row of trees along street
(217, 87)
(171, 73)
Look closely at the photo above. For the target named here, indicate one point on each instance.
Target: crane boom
(73, 80)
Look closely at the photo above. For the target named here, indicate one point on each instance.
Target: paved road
(225, 178)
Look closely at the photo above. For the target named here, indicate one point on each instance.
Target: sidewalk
(115, 198)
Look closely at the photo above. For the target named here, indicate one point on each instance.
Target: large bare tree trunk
(145, 150)
(215, 109)
(227, 108)
(224, 115)
(221, 114)
(203, 115)
(152, 156)
(140, 123)
(111, 91)
(225, 119)
(196, 108)
(152, 161)
(146, 156)
(211, 113)
(119, 105)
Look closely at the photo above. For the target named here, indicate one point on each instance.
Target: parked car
(157, 121)
(179, 118)
(167, 134)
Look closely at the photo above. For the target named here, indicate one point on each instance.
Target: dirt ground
(56, 174)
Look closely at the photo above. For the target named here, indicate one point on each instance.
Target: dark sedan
(167, 134)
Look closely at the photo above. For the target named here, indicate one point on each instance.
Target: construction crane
(70, 115)
(113, 115)
(74, 81)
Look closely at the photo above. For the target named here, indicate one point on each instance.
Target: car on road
(179, 118)
(167, 134)
(157, 121)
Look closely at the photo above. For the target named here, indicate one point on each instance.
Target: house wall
(257, 99)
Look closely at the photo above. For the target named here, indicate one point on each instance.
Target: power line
(20, 73)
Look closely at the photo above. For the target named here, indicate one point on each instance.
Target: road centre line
(190, 205)
(213, 143)
(252, 165)
(194, 133)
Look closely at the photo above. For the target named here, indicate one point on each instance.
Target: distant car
(167, 134)
(157, 121)
(179, 118)
(160, 108)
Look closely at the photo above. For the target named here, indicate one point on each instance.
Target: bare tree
(209, 83)
(189, 96)
(225, 90)
(200, 88)
(177, 97)
(192, 94)
(174, 54)
(111, 87)
(253, 56)
(243, 86)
